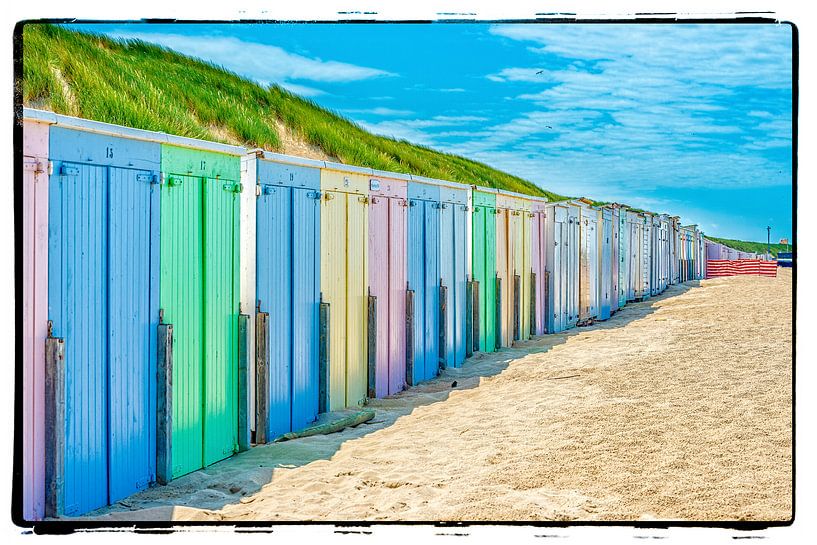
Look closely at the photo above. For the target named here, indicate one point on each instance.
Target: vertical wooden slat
(54, 426)
(371, 338)
(532, 303)
(469, 319)
(498, 310)
(517, 307)
(443, 324)
(323, 357)
(164, 409)
(476, 314)
(410, 337)
(243, 383)
(261, 376)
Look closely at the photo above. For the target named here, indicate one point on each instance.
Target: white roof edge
(288, 159)
(392, 175)
(347, 168)
(440, 183)
(484, 189)
(99, 127)
(518, 195)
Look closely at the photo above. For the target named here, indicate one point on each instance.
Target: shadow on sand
(236, 479)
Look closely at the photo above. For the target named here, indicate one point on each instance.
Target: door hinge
(173, 181)
(328, 196)
(69, 171)
(412, 203)
(314, 195)
(267, 189)
(148, 178)
(364, 200)
(50, 168)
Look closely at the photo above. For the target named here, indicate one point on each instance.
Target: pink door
(387, 281)
(538, 265)
(35, 310)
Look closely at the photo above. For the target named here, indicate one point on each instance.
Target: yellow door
(344, 274)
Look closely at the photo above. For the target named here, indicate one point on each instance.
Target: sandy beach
(676, 408)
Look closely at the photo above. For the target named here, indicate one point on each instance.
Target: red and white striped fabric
(716, 268)
(767, 268)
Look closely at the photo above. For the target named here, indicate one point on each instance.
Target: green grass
(744, 246)
(144, 86)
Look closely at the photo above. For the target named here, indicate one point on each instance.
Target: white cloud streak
(260, 62)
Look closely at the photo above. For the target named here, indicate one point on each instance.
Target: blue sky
(685, 119)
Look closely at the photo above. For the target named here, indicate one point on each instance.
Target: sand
(676, 408)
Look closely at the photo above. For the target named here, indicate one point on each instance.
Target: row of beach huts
(184, 300)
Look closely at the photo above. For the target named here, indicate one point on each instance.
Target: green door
(199, 295)
(220, 319)
(484, 266)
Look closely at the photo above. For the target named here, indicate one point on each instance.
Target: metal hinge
(436, 205)
(69, 171)
(313, 195)
(403, 202)
(233, 187)
(328, 196)
(267, 189)
(257, 190)
(364, 200)
(173, 181)
(50, 168)
(412, 203)
(373, 200)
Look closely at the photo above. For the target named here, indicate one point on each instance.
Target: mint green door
(199, 296)
(484, 266)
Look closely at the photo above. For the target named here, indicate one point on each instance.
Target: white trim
(127, 132)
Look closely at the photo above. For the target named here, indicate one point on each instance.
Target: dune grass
(144, 86)
(745, 246)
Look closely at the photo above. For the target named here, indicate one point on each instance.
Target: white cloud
(302, 90)
(381, 111)
(260, 62)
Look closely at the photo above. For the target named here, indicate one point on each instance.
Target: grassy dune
(744, 246)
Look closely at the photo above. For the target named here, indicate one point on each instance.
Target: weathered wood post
(54, 426)
(164, 420)
(261, 377)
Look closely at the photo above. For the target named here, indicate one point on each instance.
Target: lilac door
(538, 253)
(387, 282)
(35, 310)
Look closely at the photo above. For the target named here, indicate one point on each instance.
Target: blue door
(453, 273)
(103, 301)
(288, 288)
(424, 277)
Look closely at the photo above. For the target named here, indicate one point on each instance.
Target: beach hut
(103, 311)
(388, 217)
(539, 281)
(344, 282)
(561, 247)
(624, 259)
(615, 214)
(35, 310)
(484, 268)
(286, 194)
(605, 241)
(199, 297)
(650, 255)
(675, 250)
(453, 271)
(513, 266)
(700, 260)
(423, 362)
(636, 285)
(589, 261)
